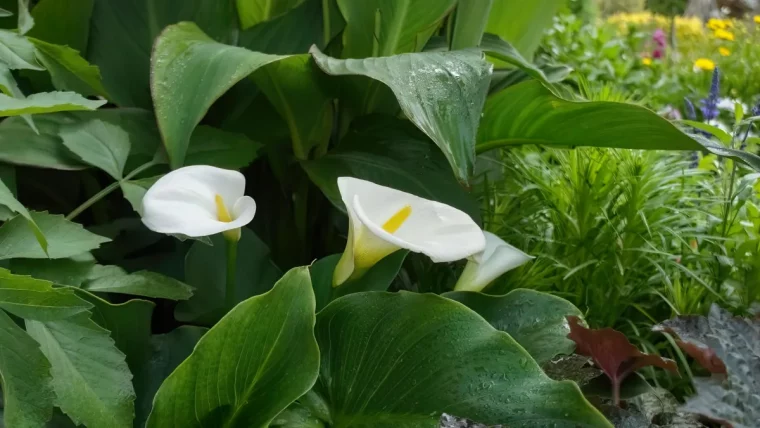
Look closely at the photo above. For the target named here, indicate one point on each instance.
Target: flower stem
(229, 296)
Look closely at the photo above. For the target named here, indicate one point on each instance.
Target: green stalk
(229, 295)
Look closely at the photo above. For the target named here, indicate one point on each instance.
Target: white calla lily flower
(197, 201)
(483, 268)
(383, 220)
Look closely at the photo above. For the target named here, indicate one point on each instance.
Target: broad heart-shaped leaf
(67, 70)
(123, 34)
(252, 12)
(16, 52)
(529, 113)
(378, 278)
(250, 366)
(442, 93)
(166, 352)
(7, 199)
(142, 283)
(535, 320)
(206, 272)
(46, 102)
(99, 143)
(92, 382)
(35, 299)
(522, 23)
(27, 391)
(402, 359)
(390, 152)
(64, 238)
(394, 27)
(190, 71)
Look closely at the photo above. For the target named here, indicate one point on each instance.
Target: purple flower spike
(709, 105)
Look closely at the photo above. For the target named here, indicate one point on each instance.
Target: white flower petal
(496, 259)
(183, 201)
(243, 211)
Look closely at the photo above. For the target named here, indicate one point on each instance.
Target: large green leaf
(522, 23)
(389, 27)
(71, 271)
(167, 351)
(92, 382)
(9, 200)
(494, 46)
(529, 113)
(64, 238)
(252, 12)
(442, 93)
(537, 321)
(63, 23)
(99, 143)
(402, 359)
(27, 392)
(142, 283)
(190, 71)
(16, 52)
(469, 23)
(205, 270)
(378, 278)
(124, 33)
(46, 102)
(9, 87)
(211, 146)
(34, 299)
(68, 70)
(391, 153)
(250, 366)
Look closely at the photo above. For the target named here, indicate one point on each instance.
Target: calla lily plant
(497, 258)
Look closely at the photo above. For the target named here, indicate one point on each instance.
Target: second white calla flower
(483, 268)
(383, 220)
(197, 201)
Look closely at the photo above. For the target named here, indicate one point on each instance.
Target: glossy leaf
(46, 102)
(16, 52)
(469, 23)
(190, 71)
(27, 391)
(64, 238)
(34, 299)
(99, 143)
(402, 359)
(124, 33)
(535, 320)
(9, 200)
(442, 93)
(92, 382)
(378, 278)
(142, 283)
(391, 153)
(522, 23)
(397, 27)
(68, 70)
(252, 12)
(250, 366)
(205, 271)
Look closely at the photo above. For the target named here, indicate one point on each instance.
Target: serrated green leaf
(537, 321)
(16, 52)
(92, 382)
(190, 71)
(250, 366)
(68, 70)
(9, 87)
(22, 145)
(72, 271)
(402, 359)
(442, 93)
(99, 143)
(10, 201)
(142, 283)
(31, 298)
(64, 238)
(46, 102)
(27, 391)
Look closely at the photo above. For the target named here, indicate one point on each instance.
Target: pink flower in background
(660, 44)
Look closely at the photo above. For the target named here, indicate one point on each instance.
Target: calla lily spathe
(197, 201)
(497, 258)
(383, 220)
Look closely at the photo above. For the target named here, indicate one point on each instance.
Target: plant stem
(106, 191)
(229, 295)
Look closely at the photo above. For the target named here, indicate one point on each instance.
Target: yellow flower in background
(717, 24)
(704, 64)
(724, 51)
(724, 35)
(646, 61)
(757, 19)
